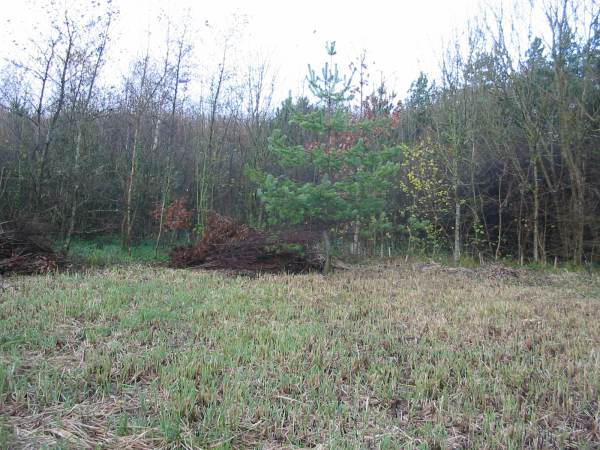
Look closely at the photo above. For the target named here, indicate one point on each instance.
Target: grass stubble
(385, 356)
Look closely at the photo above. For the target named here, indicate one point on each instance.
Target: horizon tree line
(497, 157)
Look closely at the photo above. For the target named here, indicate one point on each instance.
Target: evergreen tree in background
(344, 174)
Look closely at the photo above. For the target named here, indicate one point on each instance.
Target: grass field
(387, 356)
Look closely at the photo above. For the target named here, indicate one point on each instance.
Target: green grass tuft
(106, 253)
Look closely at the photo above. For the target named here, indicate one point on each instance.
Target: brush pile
(228, 245)
(25, 251)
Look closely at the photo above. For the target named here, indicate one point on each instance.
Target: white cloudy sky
(401, 37)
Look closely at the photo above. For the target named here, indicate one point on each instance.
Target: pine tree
(343, 173)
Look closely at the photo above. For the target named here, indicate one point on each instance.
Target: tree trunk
(579, 216)
(536, 211)
(163, 205)
(327, 267)
(356, 241)
(457, 232)
(500, 207)
(73, 214)
(129, 196)
(520, 250)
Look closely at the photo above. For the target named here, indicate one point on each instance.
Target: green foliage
(329, 87)
(289, 201)
(363, 180)
(429, 193)
(345, 174)
(422, 236)
(288, 156)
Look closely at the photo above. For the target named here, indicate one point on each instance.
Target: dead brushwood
(228, 245)
(24, 250)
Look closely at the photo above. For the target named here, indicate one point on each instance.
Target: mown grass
(377, 357)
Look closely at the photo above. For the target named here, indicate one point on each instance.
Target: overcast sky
(400, 37)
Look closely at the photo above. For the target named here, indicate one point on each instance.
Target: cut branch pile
(229, 245)
(24, 252)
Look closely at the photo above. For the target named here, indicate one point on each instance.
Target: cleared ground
(390, 356)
